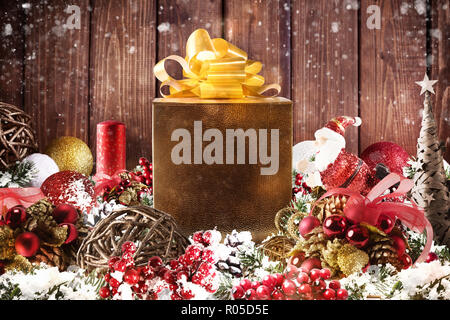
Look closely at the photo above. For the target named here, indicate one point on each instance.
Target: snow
(335, 27)
(7, 31)
(164, 27)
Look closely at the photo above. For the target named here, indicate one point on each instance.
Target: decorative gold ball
(71, 153)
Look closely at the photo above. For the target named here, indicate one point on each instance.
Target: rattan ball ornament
(154, 232)
(17, 137)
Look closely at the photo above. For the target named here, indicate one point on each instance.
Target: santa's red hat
(339, 124)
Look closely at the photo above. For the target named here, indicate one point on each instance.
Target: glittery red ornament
(393, 156)
(348, 171)
(335, 226)
(69, 187)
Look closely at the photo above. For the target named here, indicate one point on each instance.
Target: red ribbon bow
(368, 208)
(103, 180)
(11, 197)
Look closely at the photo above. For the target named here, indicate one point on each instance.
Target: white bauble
(304, 150)
(44, 167)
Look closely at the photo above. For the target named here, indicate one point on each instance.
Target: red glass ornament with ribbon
(368, 209)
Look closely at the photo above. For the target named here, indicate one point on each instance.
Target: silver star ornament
(426, 84)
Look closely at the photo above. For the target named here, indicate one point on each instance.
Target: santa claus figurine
(325, 161)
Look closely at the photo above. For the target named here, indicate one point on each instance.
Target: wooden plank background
(321, 52)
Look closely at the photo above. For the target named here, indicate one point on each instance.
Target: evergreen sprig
(19, 175)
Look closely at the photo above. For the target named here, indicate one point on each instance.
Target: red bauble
(72, 232)
(15, 216)
(335, 226)
(65, 213)
(348, 171)
(399, 245)
(297, 259)
(311, 263)
(406, 261)
(307, 225)
(357, 236)
(385, 223)
(69, 187)
(390, 154)
(27, 244)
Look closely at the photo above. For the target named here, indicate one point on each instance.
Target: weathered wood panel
(122, 57)
(324, 66)
(440, 68)
(11, 53)
(177, 19)
(262, 29)
(56, 70)
(392, 59)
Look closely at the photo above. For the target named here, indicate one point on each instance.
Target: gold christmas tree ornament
(430, 190)
(72, 154)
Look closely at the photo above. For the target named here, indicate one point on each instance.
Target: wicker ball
(17, 138)
(154, 232)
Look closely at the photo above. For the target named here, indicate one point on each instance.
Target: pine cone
(382, 251)
(51, 256)
(333, 205)
(316, 242)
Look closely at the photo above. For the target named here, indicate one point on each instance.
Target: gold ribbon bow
(213, 69)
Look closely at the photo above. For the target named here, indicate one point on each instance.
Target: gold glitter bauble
(72, 154)
(351, 259)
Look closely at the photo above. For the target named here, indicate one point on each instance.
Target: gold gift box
(231, 193)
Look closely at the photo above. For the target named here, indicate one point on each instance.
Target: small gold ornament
(72, 154)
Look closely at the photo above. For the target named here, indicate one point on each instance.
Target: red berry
(288, 287)
(175, 296)
(104, 292)
(131, 276)
(303, 277)
(186, 294)
(208, 255)
(211, 236)
(182, 276)
(169, 277)
(314, 274)
(263, 292)
(114, 283)
(319, 285)
(325, 274)
(279, 278)
(250, 294)
(120, 265)
(128, 247)
(342, 294)
(143, 161)
(334, 284)
(278, 295)
(431, 257)
(107, 277)
(269, 280)
(406, 261)
(173, 264)
(304, 289)
(246, 284)
(329, 294)
(291, 272)
(237, 292)
(198, 237)
(112, 261)
(255, 284)
(155, 261)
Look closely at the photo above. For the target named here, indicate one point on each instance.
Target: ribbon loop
(213, 69)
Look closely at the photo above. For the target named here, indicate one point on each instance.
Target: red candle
(111, 147)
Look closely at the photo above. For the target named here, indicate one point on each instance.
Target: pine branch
(20, 175)
(225, 286)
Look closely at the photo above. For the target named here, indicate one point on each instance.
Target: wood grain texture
(440, 68)
(392, 59)
(11, 53)
(177, 19)
(122, 82)
(262, 29)
(56, 71)
(324, 68)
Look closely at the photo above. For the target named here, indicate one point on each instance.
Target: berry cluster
(294, 284)
(194, 267)
(300, 186)
(146, 175)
